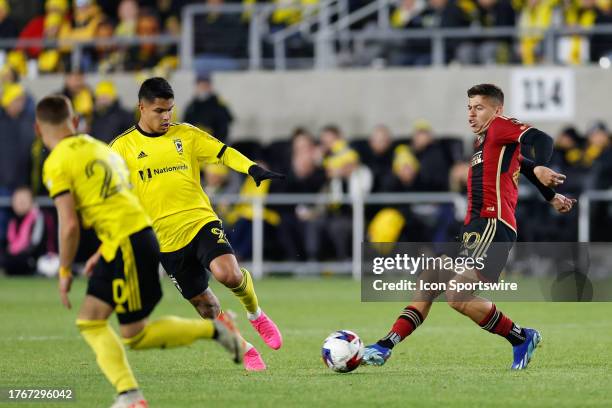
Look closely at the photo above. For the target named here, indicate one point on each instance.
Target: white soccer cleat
(130, 399)
(229, 337)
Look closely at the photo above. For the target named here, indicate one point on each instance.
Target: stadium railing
(259, 266)
(328, 28)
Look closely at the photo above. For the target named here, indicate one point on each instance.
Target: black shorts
(188, 268)
(491, 240)
(130, 282)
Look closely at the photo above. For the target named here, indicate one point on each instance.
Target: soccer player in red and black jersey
(489, 230)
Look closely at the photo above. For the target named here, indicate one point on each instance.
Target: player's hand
(91, 263)
(65, 282)
(260, 174)
(548, 177)
(562, 203)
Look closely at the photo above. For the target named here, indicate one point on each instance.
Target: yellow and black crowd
(316, 161)
(221, 39)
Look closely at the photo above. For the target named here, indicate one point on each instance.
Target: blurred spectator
(49, 60)
(207, 111)
(458, 177)
(434, 164)
(405, 167)
(14, 144)
(574, 49)
(408, 14)
(345, 176)
(598, 140)
(26, 235)
(219, 180)
(8, 28)
(128, 18)
(489, 14)
(239, 219)
(15, 66)
(438, 14)
(86, 17)
(298, 232)
(536, 15)
(219, 39)
(81, 96)
(567, 159)
(146, 55)
(106, 58)
(109, 118)
(288, 12)
(45, 26)
(169, 11)
(379, 156)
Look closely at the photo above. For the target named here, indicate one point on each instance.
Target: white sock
(254, 316)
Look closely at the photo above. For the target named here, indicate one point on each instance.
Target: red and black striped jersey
(494, 171)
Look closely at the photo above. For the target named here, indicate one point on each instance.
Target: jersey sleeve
(506, 130)
(56, 178)
(117, 146)
(207, 148)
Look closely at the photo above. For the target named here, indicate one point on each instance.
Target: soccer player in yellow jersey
(89, 185)
(164, 161)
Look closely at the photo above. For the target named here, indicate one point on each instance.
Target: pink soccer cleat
(268, 331)
(253, 361)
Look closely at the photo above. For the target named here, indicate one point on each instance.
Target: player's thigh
(184, 269)
(487, 241)
(216, 254)
(129, 283)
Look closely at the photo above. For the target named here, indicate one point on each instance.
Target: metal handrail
(357, 202)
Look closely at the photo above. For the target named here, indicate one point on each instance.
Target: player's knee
(230, 277)
(456, 304)
(226, 271)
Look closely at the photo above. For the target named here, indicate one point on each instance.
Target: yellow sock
(245, 292)
(110, 354)
(171, 331)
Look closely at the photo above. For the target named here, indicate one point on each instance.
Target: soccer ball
(342, 351)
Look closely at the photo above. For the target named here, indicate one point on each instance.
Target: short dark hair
(331, 128)
(54, 109)
(488, 90)
(155, 87)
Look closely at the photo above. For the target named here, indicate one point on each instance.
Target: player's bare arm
(69, 233)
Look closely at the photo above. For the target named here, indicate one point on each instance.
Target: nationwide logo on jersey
(142, 155)
(179, 145)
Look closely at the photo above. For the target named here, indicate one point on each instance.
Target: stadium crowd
(328, 161)
(220, 39)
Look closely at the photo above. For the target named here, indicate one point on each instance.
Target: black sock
(517, 335)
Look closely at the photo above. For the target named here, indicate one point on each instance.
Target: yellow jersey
(165, 170)
(98, 180)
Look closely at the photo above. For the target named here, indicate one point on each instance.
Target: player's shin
(245, 292)
(171, 331)
(110, 353)
(496, 322)
(411, 317)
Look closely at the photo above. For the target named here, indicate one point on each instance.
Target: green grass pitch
(448, 362)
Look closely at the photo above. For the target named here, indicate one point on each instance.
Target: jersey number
(106, 190)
